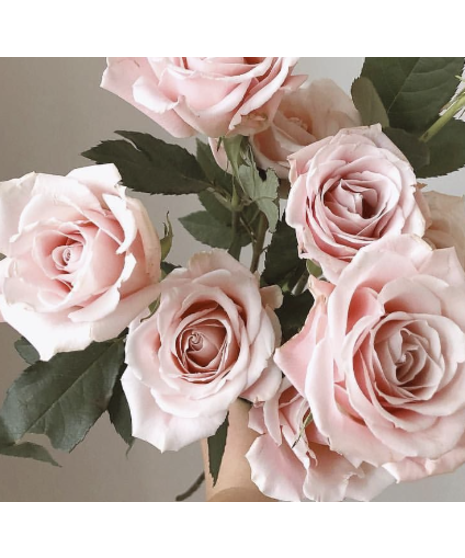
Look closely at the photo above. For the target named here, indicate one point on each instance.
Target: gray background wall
(52, 109)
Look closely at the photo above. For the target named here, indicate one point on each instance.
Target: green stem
(235, 248)
(197, 484)
(454, 108)
(259, 242)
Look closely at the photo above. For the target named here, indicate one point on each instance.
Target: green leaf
(167, 268)
(313, 268)
(206, 229)
(264, 193)
(26, 351)
(215, 207)
(216, 447)
(150, 165)
(413, 90)
(282, 259)
(167, 241)
(64, 397)
(5, 437)
(29, 450)
(120, 416)
(447, 150)
(216, 176)
(368, 103)
(416, 151)
(293, 313)
(8, 447)
(224, 216)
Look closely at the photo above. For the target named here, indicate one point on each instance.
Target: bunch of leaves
(214, 224)
(285, 268)
(63, 398)
(407, 96)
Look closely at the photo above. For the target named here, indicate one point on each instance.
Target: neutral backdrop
(52, 109)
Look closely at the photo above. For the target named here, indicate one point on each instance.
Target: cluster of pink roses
(380, 362)
(374, 384)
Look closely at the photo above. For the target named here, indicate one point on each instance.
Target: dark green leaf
(369, 103)
(167, 267)
(413, 90)
(25, 449)
(293, 313)
(282, 258)
(416, 151)
(216, 447)
(263, 193)
(224, 215)
(150, 165)
(206, 229)
(447, 150)
(29, 450)
(26, 351)
(313, 268)
(216, 176)
(64, 397)
(5, 437)
(120, 416)
(215, 207)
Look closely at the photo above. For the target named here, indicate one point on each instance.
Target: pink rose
(447, 226)
(210, 341)
(82, 258)
(213, 96)
(292, 461)
(348, 191)
(381, 358)
(304, 116)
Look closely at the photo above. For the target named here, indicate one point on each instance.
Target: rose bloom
(447, 222)
(210, 341)
(82, 258)
(348, 191)
(213, 96)
(292, 461)
(381, 359)
(304, 116)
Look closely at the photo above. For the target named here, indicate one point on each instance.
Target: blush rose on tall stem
(82, 258)
(213, 96)
(210, 341)
(384, 370)
(348, 191)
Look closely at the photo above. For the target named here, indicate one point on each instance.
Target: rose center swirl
(201, 349)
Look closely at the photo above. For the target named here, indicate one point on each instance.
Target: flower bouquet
(331, 301)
